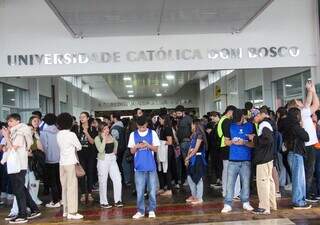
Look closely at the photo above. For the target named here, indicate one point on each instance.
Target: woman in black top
(87, 156)
(166, 135)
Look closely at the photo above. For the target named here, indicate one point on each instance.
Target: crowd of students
(154, 154)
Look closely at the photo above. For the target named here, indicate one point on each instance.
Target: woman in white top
(68, 144)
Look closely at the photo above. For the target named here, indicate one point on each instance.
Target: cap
(254, 112)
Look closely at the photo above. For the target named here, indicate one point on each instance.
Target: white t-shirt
(155, 138)
(309, 126)
(263, 125)
(68, 143)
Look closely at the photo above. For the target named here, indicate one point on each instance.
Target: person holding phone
(143, 143)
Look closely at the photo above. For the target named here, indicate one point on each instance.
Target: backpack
(122, 138)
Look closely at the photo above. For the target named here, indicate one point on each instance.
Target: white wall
(34, 29)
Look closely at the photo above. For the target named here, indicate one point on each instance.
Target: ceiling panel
(148, 85)
(96, 18)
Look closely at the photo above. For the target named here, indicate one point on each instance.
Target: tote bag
(13, 162)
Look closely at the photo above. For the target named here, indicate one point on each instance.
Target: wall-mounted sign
(152, 55)
(217, 91)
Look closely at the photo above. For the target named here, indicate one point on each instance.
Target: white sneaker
(152, 214)
(65, 215)
(247, 206)
(288, 187)
(226, 209)
(10, 197)
(138, 215)
(278, 195)
(75, 216)
(52, 205)
(3, 195)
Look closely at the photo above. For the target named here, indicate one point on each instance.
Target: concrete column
(267, 87)
(56, 97)
(33, 84)
(241, 88)
(69, 98)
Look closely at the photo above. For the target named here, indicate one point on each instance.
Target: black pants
(217, 163)
(166, 178)
(23, 197)
(87, 158)
(286, 164)
(54, 181)
(309, 165)
(172, 164)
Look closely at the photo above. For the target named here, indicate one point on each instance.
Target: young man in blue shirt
(143, 143)
(239, 160)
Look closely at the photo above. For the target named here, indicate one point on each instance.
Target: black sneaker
(18, 220)
(312, 200)
(34, 215)
(106, 206)
(260, 211)
(10, 217)
(306, 206)
(118, 204)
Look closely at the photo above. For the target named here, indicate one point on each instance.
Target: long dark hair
(294, 115)
(200, 128)
(167, 120)
(30, 123)
(90, 120)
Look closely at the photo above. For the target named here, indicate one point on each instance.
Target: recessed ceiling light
(12, 99)
(130, 92)
(129, 86)
(288, 85)
(165, 84)
(10, 90)
(170, 77)
(158, 94)
(131, 96)
(127, 78)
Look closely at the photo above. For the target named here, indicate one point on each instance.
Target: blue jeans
(142, 179)
(282, 171)
(196, 189)
(243, 170)
(296, 164)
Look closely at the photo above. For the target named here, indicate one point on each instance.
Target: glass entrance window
(9, 95)
(289, 88)
(293, 86)
(255, 96)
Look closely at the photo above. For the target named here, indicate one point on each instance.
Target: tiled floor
(174, 211)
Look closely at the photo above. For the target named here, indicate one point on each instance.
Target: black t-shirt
(84, 141)
(165, 132)
(199, 135)
(226, 133)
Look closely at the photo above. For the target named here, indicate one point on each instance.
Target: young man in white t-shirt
(143, 143)
(310, 106)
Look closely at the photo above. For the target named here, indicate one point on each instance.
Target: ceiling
(99, 18)
(148, 85)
